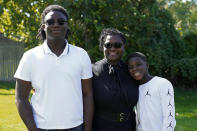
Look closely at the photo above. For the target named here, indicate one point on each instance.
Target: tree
(185, 15)
(148, 25)
(20, 20)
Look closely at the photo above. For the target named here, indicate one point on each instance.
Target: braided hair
(41, 33)
(110, 31)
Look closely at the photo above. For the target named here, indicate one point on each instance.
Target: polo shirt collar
(47, 50)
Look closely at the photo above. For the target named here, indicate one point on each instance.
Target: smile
(56, 31)
(112, 53)
(136, 74)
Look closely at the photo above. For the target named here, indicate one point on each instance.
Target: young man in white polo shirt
(60, 74)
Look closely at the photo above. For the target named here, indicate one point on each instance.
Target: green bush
(148, 26)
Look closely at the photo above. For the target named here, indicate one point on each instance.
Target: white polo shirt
(155, 107)
(57, 102)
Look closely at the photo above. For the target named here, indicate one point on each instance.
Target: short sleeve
(23, 71)
(86, 67)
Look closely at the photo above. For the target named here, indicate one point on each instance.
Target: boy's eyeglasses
(52, 22)
(110, 45)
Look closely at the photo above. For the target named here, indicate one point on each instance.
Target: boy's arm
(88, 104)
(23, 105)
(168, 108)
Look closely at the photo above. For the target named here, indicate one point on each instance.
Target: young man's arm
(168, 108)
(88, 103)
(23, 89)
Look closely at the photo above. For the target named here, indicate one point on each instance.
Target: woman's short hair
(136, 54)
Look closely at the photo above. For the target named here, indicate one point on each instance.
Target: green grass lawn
(9, 118)
(186, 110)
(185, 101)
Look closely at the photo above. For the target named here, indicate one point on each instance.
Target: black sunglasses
(59, 21)
(110, 45)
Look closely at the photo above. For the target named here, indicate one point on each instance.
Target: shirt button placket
(58, 61)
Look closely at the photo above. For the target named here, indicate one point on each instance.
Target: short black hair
(136, 54)
(110, 31)
(41, 33)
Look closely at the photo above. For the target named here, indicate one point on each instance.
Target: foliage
(148, 25)
(190, 40)
(185, 68)
(185, 15)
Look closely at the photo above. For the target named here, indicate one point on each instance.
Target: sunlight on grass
(9, 118)
(188, 115)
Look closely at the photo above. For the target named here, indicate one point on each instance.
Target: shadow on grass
(186, 123)
(7, 85)
(186, 109)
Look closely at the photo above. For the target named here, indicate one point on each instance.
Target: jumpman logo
(170, 115)
(147, 93)
(170, 125)
(138, 123)
(170, 104)
(169, 93)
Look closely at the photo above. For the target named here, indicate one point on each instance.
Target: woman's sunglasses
(110, 45)
(59, 21)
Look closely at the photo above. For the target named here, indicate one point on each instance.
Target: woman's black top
(115, 95)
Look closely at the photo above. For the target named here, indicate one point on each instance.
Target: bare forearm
(88, 112)
(25, 112)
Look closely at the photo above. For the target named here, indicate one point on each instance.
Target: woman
(155, 108)
(115, 92)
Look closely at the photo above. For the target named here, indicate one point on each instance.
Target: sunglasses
(59, 21)
(110, 45)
